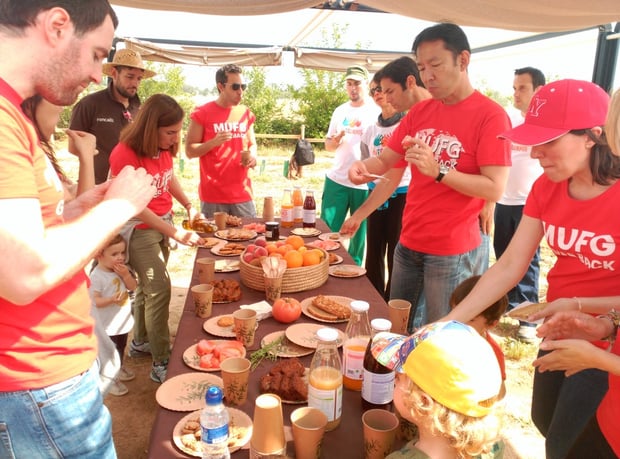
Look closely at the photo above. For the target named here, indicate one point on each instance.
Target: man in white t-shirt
(509, 209)
(348, 122)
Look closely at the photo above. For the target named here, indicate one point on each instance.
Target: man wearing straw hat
(106, 112)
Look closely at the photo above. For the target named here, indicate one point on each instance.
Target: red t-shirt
(50, 339)
(437, 219)
(501, 360)
(161, 168)
(223, 179)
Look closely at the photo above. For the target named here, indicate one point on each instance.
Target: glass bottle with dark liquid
(378, 381)
(309, 213)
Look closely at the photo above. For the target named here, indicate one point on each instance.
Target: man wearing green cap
(347, 124)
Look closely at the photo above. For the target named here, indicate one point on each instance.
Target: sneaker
(158, 371)
(527, 333)
(139, 350)
(126, 375)
(117, 388)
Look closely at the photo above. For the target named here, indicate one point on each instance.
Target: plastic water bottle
(214, 426)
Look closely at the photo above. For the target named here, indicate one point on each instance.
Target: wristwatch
(443, 170)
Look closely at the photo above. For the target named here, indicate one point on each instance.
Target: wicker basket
(294, 280)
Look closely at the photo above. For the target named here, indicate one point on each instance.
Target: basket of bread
(303, 276)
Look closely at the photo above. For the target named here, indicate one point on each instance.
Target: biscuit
(225, 321)
(524, 312)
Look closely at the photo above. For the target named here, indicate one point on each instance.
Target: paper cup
(235, 374)
(203, 299)
(379, 433)
(398, 314)
(308, 425)
(220, 220)
(245, 326)
(273, 288)
(267, 427)
(268, 209)
(206, 270)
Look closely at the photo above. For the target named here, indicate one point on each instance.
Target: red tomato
(286, 310)
(205, 346)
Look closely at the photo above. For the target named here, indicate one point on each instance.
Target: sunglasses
(127, 115)
(237, 86)
(376, 89)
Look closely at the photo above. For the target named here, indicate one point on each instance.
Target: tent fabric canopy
(523, 15)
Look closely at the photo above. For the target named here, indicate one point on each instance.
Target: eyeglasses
(376, 89)
(237, 86)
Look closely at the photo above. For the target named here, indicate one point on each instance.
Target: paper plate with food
(305, 232)
(226, 266)
(207, 354)
(334, 237)
(228, 249)
(304, 334)
(236, 234)
(325, 245)
(327, 308)
(186, 434)
(220, 326)
(346, 271)
(288, 379)
(524, 310)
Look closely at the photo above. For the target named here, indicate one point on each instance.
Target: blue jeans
(427, 281)
(507, 219)
(65, 420)
(562, 407)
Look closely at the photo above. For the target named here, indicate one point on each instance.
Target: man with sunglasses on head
(218, 132)
(104, 113)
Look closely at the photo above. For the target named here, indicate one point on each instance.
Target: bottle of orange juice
(325, 379)
(286, 210)
(354, 347)
(298, 205)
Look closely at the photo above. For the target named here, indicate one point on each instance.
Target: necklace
(391, 121)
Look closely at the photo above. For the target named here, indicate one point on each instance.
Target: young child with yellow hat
(448, 384)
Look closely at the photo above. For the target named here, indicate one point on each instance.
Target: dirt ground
(133, 414)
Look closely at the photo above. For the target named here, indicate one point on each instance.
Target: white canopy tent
(539, 19)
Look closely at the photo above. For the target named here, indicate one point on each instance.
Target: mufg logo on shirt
(447, 148)
(231, 126)
(593, 250)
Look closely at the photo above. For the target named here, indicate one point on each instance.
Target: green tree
(323, 90)
(264, 100)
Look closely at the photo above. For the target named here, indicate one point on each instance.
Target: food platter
(304, 334)
(210, 242)
(235, 234)
(210, 326)
(306, 232)
(287, 348)
(227, 266)
(325, 245)
(335, 259)
(192, 359)
(186, 392)
(346, 271)
(240, 432)
(306, 308)
(217, 249)
(334, 237)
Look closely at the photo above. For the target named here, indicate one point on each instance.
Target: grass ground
(137, 409)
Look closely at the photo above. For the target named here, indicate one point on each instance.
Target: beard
(58, 81)
(127, 93)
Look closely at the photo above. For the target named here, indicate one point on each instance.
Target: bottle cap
(327, 334)
(381, 324)
(214, 395)
(359, 306)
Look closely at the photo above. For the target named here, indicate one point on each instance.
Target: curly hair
(469, 436)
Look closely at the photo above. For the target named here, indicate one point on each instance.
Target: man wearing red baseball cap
(575, 204)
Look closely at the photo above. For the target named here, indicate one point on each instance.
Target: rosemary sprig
(270, 352)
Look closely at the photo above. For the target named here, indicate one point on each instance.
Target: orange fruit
(284, 249)
(311, 257)
(318, 252)
(294, 259)
(271, 248)
(295, 241)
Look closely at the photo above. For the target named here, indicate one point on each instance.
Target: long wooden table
(345, 441)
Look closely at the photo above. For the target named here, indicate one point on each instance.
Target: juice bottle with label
(298, 205)
(378, 382)
(286, 210)
(325, 378)
(354, 347)
(309, 215)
